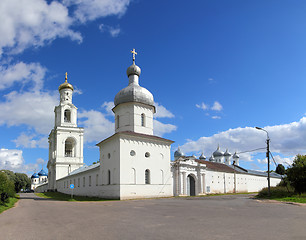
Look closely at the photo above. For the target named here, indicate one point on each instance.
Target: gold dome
(65, 85)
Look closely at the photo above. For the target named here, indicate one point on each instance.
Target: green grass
(11, 203)
(295, 198)
(67, 197)
(282, 194)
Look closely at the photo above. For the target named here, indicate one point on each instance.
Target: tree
(7, 188)
(280, 169)
(296, 174)
(20, 180)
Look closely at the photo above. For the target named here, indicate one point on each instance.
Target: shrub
(276, 192)
(297, 174)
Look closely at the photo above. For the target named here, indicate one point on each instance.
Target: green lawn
(9, 204)
(67, 197)
(295, 198)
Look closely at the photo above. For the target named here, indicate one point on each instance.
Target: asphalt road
(219, 217)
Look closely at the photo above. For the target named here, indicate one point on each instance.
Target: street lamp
(268, 157)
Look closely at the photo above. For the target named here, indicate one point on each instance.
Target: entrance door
(191, 185)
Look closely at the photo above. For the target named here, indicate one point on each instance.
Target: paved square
(217, 217)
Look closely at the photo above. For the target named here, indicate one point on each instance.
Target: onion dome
(202, 157)
(235, 156)
(42, 173)
(227, 153)
(133, 70)
(133, 92)
(35, 175)
(218, 153)
(178, 153)
(65, 84)
(212, 159)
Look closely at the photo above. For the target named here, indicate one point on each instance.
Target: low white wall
(41, 188)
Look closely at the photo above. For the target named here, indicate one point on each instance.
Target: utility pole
(268, 157)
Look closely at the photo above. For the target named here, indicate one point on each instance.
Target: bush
(7, 188)
(296, 174)
(276, 192)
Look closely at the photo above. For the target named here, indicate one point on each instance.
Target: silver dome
(212, 159)
(133, 92)
(178, 153)
(133, 70)
(227, 153)
(202, 157)
(235, 155)
(218, 153)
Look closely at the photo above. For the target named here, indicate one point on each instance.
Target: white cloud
(113, 31)
(216, 117)
(12, 159)
(33, 109)
(34, 23)
(97, 127)
(162, 112)
(22, 73)
(217, 106)
(88, 10)
(28, 141)
(202, 106)
(161, 128)
(287, 140)
(108, 106)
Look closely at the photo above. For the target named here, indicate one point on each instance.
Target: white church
(133, 162)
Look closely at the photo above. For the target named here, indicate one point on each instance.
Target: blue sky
(216, 70)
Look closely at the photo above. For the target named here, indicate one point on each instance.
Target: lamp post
(268, 157)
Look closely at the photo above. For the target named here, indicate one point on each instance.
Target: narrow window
(74, 182)
(89, 181)
(78, 182)
(64, 184)
(143, 120)
(147, 176)
(67, 116)
(109, 177)
(117, 122)
(83, 181)
(97, 179)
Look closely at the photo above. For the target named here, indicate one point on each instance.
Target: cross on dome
(66, 74)
(134, 53)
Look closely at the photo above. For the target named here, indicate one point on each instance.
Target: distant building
(39, 179)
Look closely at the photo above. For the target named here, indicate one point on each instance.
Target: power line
(252, 150)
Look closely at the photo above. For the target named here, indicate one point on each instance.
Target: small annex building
(133, 163)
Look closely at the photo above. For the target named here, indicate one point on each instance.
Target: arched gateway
(191, 186)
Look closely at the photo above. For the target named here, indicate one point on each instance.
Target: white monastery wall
(141, 155)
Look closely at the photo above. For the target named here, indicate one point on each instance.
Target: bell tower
(65, 139)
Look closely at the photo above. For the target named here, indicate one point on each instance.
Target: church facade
(133, 162)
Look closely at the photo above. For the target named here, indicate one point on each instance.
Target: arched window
(117, 122)
(67, 116)
(143, 120)
(109, 177)
(162, 176)
(69, 147)
(147, 177)
(133, 176)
